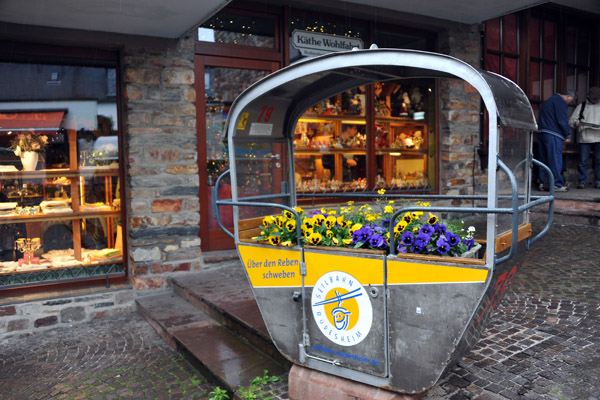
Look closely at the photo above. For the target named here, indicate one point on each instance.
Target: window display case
(60, 211)
(334, 142)
(54, 219)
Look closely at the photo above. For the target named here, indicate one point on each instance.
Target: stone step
(223, 357)
(225, 295)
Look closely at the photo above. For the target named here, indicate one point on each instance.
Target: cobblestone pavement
(544, 339)
(542, 343)
(115, 358)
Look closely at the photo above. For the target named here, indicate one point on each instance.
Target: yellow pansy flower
(381, 192)
(433, 219)
(290, 225)
(318, 219)
(269, 219)
(274, 240)
(315, 238)
(330, 222)
(288, 214)
(388, 209)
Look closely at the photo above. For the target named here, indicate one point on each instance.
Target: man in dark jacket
(553, 130)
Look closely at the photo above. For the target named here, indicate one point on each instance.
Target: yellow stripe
(271, 266)
(368, 271)
(402, 273)
(278, 267)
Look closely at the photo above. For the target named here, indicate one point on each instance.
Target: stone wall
(460, 115)
(162, 170)
(36, 313)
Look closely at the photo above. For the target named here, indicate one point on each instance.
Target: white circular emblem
(342, 308)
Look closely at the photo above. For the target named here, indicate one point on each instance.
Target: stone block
(132, 92)
(162, 268)
(167, 205)
(178, 76)
(17, 325)
(148, 283)
(139, 270)
(182, 169)
(47, 321)
(305, 383)
(7, 311)
(72, 314)
(140, 206)
(141, 254)
(190, 243)
(163, 155)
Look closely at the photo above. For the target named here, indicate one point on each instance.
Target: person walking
(586, 121)
(553, 130)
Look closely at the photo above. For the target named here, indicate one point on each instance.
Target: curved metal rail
(514, 210)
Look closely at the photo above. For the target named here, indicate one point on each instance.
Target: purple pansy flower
(377, 241)
(452, 238)
(419, 246)
(427, 229)
(469, 243)
(442, 245)
(407, 238)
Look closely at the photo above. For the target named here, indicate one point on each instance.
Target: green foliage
(254, 391)
(218, 394)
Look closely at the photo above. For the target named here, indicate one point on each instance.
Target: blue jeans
(550, 149)
(584, 155)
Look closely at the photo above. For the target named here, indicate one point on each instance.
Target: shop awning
(36, 121)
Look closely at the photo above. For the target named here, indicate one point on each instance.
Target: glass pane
(583, 49)
(548, 76)
(222, 86)
(509, 68)
(534, 79)
(549, 42)
(330, 143)
(582, 85)
(571, 81)
(244, 30)
(320, 24)
(492, 63)
(514, 146)
(59, 186)
(534, 38)
(510, 33)
(571, 45)
(492, 34)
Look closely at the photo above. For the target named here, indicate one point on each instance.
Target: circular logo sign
(341, 308)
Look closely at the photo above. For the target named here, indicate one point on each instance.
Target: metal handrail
(514, 210)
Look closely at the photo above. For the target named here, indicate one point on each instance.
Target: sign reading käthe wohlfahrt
(316, 44)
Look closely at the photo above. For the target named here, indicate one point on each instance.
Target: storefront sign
(316, 44)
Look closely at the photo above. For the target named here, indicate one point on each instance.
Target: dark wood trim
(231, 50)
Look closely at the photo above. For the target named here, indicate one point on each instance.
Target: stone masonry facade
(459, 117)
(162, 170)
(162, 183)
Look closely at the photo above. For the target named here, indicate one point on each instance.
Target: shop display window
(60, 209)
(334, 144)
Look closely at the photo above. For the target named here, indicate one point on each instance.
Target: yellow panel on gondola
(368, 271)
(406, 273)
(271, 266)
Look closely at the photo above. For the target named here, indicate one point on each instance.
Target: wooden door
(219, 80)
